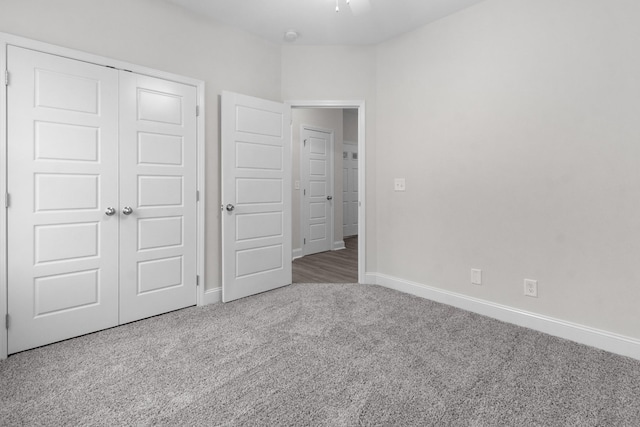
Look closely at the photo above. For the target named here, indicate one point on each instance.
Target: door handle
(230, 207)
(110, 211)
(329, 197)
(127, 210)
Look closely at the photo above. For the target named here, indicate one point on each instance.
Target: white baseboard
(370, 279)
(212, 296)
(603, 340)
(338, 245)
(296, 253)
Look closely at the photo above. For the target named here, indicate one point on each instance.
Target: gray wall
(517, 127)
(350, 123)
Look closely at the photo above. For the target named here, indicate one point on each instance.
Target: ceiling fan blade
(358, 7)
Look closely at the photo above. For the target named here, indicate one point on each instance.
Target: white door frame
(360, 106)
(304, 221)
(9, 39)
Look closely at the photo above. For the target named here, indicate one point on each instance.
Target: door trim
(304, 221)
(362, 205)
(11, 40)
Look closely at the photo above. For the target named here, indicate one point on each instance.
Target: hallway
(329, 267)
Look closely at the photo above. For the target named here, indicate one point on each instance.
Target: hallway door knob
(329, 197)
(127, 210)
(230, 207)
(110, 211)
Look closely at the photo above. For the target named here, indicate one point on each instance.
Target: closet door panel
(62, 176)
(158, 183)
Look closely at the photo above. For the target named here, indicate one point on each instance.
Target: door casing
(9, 39)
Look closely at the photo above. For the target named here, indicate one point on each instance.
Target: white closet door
(61, 176)
(256, 194)
(158, 185)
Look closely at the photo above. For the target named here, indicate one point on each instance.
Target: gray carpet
(321, 354)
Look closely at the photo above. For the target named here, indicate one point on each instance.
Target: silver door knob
(230, 207)
(110, 211)
(127, 210)
(329, 197)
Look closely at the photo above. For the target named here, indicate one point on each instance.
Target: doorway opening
(328, 212)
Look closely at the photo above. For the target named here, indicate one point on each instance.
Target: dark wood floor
(329, 267)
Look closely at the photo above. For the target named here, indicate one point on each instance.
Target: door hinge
(7, 200)
(197, 195)
(197, 280)
(197, 110)
(304, 143)
(304, 192)
(305, 241)
(6, 321)
(6, 77)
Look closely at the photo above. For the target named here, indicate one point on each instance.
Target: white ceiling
(316, 21)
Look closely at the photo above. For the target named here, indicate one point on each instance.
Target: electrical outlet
(399, 184)
(297, 185)
(476, 276)
(531, 288)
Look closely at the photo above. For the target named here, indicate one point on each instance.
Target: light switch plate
(476, 276)
(399, 184)
(297, 185)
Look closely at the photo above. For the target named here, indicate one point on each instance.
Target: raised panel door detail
(64, 242)
(260, 225)
(345, 217)
(62, 141)
(69, 291)
(317, 232)
(159, 107)
(318, 189)
(66, 192)
(159, 191)
(258, 260)
(318, 168)
(345, 180)
(251, 191)
(259, 122)
(159, 274)
(66, 92)
(159, 149)
(156, 233)
(258, 156)
(317, 210)
(318, 146)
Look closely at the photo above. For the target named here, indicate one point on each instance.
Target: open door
(256, 195)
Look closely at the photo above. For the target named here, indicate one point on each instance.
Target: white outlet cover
(399, 184)
(297, 185)
(531, 288)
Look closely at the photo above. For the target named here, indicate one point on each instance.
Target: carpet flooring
(320, 354)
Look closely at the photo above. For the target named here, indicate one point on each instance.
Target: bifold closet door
(157, 196)
(62, 176)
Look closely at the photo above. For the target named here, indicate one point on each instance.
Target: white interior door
(256, 195)
(350, 189)
(317, 195)
(157, 196)
(61, 177)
